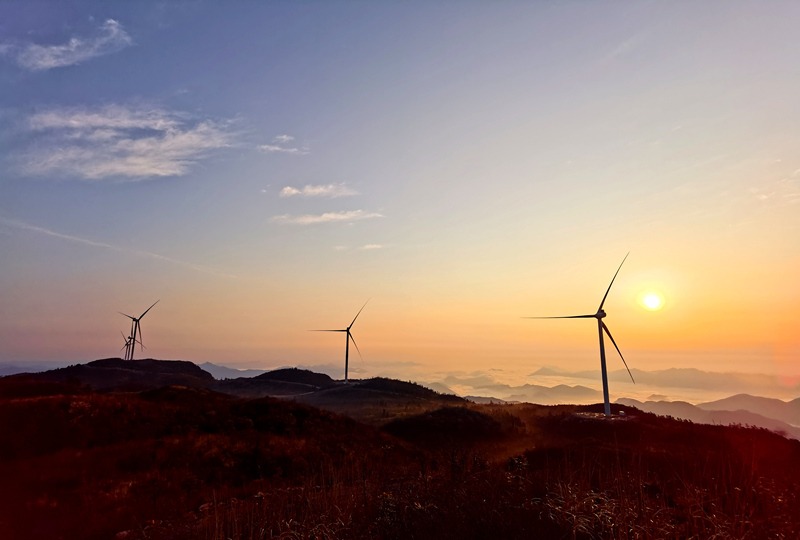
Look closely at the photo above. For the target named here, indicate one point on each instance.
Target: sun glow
(651, 300)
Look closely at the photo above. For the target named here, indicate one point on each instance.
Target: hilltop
(115, 374)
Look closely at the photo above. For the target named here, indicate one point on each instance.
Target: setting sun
(651, 301)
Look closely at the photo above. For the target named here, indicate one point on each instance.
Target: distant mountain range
(224, 372)
(736, 383)
(699, 414)
(788, 412)
(532, 393)
(370, 399)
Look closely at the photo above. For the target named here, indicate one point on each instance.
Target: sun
(651, 300)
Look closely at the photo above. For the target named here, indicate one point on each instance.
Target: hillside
(379, 400)
(120, 375)
(687, 411)
(180, 463)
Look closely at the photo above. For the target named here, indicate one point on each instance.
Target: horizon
(689, 385)
(263, 170)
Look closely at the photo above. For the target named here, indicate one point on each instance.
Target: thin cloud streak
(111, 38)
(41, 230)
(274, 148)
(328, 217)
(119, 141)
(331, 190)
(368, 247)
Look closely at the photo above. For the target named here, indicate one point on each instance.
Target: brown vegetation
(178, 463)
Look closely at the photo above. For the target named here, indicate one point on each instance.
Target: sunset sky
(263, 169)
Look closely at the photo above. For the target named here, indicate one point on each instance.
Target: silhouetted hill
(123, 375)
(284, 382)
(788, 412)
(405, 388)
(378, 400)
(299, 376)
(687, 411)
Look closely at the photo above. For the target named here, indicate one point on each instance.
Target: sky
(265, 168)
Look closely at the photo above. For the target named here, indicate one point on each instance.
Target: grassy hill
(116, 374)
(181, 462)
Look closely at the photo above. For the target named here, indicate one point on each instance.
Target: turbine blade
(139, 328)
(568, 317)
(354, 343)
(327, 330)
(612, 282)
(131, 318)
(148, 309)
(359, 313)
(620, 352)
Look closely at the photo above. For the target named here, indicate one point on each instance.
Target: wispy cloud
(279, 145)
(368, 247)
(16, 224)
(119, 141)
(328, 217)
(274, 148)
(110, 37)
(329, 190)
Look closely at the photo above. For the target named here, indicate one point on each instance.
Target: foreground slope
(180, 463)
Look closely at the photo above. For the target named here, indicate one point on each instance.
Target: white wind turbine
(601, 326)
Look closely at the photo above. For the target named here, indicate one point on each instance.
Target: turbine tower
(601, 326)
(136, 332)
(347, 341)
(127, 345)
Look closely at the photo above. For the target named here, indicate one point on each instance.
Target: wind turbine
(601, 326)
(347, 342)
(136, 329)
(127, 345)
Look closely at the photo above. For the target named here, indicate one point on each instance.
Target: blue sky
(263, 168)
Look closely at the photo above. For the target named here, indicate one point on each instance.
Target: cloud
(330, 190)
(41, 230)
(279, 145)
(119, 141)
(371, 246)
(273, 148)
(111, 37)
(328, 217)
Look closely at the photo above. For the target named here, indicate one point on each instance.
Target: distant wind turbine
(601, 326)
(347, 342)
(136, 332)
(127, 345)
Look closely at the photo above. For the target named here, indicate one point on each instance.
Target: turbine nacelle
(600, 314)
